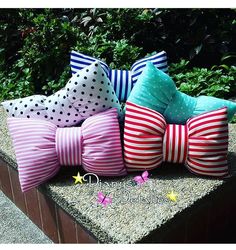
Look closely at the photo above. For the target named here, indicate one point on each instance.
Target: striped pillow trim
(175, 143)
(102, 150)
(68, 146)
(122, 80)
(78, 61)
(159, 60)
(143, 136)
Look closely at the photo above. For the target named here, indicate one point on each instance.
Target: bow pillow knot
(86, 93)
(201, 144)
(175, 143)
(68, 146)
(41, 147)
(122, 80)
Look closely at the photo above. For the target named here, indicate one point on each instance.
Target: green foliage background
(35, 45)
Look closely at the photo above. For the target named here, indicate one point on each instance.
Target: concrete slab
(16, 227)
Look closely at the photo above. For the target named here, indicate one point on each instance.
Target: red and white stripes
(175, 143)
(202, 144)
(143, 134)
(41, 147)
(208, 143)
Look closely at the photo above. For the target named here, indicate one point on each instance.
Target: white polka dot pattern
(86, 93)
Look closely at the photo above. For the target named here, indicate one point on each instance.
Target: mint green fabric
(156, 90)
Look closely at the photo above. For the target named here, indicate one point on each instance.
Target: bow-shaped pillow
(41, 148)
(156, 90)
(122, 80)
(86, 93)
(201, 144)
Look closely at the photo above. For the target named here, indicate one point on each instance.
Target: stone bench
(204, 210)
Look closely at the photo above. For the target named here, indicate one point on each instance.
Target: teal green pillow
(156, 90)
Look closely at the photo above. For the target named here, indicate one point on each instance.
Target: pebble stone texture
(135, 210)
(14, 221)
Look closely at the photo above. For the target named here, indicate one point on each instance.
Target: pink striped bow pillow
(41, 147)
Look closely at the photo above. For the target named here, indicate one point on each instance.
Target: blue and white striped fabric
(122, 80)
(122, 83)
(78, 61)
(159, 60)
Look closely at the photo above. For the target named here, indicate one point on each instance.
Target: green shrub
(218, 81)
(12, 86)
(42, 58)
(35, 45)
(117, 54)
(233, 120)
(41, 62)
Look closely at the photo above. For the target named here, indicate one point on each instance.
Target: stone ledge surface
(11, 224)
(135, 211)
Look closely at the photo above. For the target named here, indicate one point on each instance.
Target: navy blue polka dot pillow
(87, 92)
(123, 81)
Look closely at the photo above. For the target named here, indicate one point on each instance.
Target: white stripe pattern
(122, 80)
(68, 146)
(78, 61)
(159, 60)
(41, 147)
(202, 144)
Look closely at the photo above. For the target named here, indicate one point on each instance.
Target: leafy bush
(202, 36)
(39, 60)
(218, 81)
(46, 38)
(13, 86)
(35, 45)
(117, 54)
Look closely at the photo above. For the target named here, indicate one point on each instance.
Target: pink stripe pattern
(201, 144)
(41, 147)
(68, 146)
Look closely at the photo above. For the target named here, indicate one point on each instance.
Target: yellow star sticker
(78, 178)
(172, 196)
